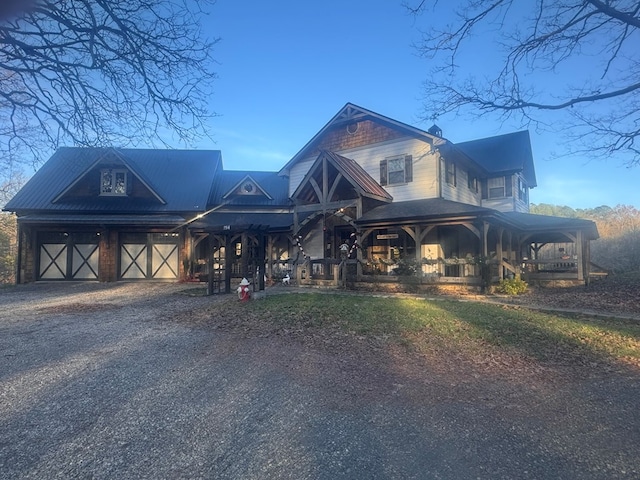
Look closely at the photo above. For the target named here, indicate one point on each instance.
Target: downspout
(439, 172)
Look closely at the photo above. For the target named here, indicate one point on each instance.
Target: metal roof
(69, 219)
(182, 179)
(274, 186)
(429, 208)
(244, 220)
(529, 222)
(359, 177)
(506, 153)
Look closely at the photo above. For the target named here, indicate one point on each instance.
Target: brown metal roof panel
(359, 176)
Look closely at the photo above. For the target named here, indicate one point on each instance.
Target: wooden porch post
(580, 251)
(229, 253)
(261, 260)
(485, 235)
(244, 259)
(499, 253)
(270, 242)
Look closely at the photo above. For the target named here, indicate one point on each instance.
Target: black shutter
(484, 188)
(408, 168)
(508, 187)
(383, 172)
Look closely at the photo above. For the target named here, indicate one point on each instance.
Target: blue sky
(286, 67)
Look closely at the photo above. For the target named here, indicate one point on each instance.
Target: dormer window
(113, 182)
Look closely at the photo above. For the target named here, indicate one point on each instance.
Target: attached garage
(149, 256)
(68, 256)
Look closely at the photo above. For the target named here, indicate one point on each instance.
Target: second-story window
(472, 182)
(522, 190)
(496, 187)
(113, 182)
(450, 172)
(396, 170)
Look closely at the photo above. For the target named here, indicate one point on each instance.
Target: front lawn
(461, 328)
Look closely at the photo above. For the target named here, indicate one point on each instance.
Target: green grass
(464, 326)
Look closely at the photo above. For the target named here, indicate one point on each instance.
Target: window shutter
(485, 189)
(408, 168)
(508, 187)
(383, 172)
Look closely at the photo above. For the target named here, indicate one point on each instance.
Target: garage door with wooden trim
(68, 256)
(149, 256)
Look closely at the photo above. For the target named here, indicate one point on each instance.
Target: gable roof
(350, 113)
(361, 181)
(502, 154)
(181, 178)
(274, 187)
(110, 157)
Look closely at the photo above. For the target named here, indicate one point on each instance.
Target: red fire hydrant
(244, 292)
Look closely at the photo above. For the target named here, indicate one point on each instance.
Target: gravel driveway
(114, 381)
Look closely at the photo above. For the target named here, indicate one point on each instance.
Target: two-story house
(366, 187)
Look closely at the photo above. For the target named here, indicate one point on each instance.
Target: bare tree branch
(97, 72)
(592, 43)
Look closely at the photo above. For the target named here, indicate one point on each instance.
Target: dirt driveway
(115, 381)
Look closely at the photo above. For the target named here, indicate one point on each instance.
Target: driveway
(116, 381)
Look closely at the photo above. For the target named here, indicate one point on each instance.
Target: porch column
(418, 242)
(244, 259)
(261, 260)
(18, 269)
(359, 257)
(499, 253)
(485, 235)
(580, 250)
(229, 253)
(270, 242)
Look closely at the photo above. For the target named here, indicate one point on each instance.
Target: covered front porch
(473, 249)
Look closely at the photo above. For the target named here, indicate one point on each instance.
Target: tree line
(618, 248)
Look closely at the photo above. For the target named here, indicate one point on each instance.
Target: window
(522, 190)
(472, 182)
(396, 170)
(113, 182)
(496, 187)
(450, 172)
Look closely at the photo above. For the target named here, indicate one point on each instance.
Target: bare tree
(99, 72)
(527, 46)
